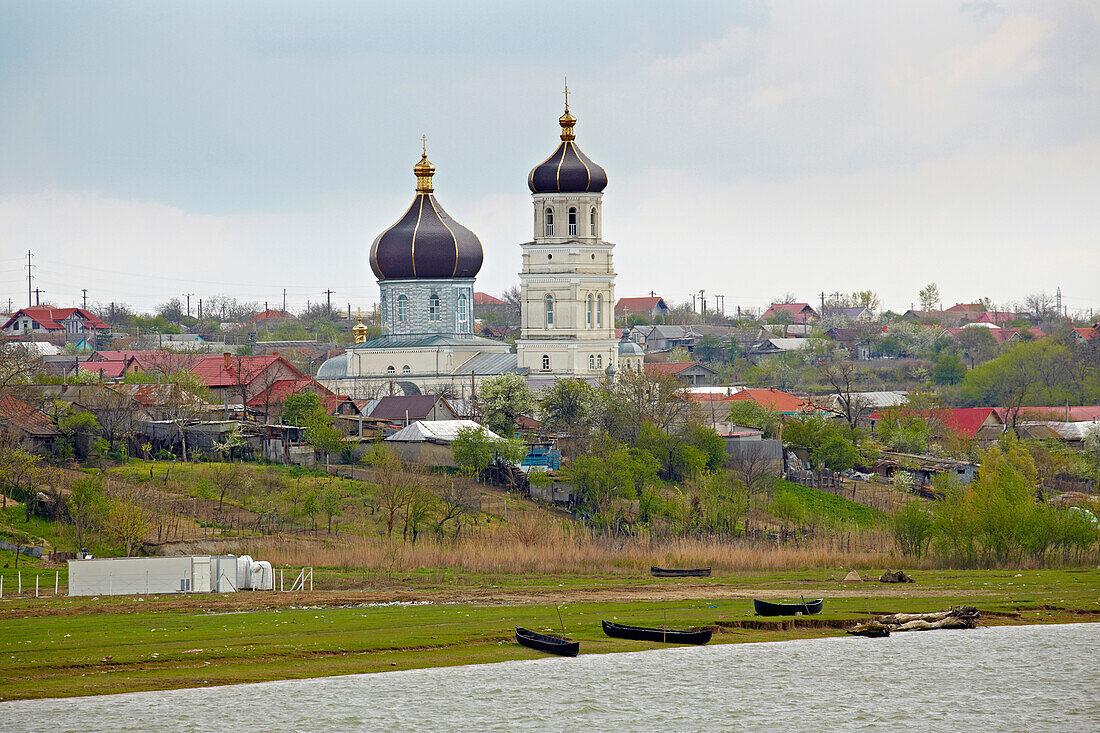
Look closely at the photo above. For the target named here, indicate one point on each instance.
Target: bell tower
(567, 282)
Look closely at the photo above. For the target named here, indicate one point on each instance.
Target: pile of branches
(956, 617)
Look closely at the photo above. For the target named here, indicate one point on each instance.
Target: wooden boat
(657, 572)
(766, 608)
(670, 636)
(547, 643)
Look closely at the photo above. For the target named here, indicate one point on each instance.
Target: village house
(655, 339)
(235, 380)
(691, 373)
(790, 312)
(27, 426)
(59, 325)
(651, 307)
(270, 401)
(409, 408)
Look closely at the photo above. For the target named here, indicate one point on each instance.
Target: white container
(116, 576)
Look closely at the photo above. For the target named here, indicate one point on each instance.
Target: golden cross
(566, 94)
(424, 144)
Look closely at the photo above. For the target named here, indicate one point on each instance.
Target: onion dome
(426, 242)
(568, 170)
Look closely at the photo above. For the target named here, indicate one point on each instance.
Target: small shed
(429, 441)
(924, 468)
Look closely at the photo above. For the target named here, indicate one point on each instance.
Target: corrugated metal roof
(489, 364)
(437, 431)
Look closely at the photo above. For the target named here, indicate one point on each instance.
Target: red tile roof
(638, 306)
(486, 299)
(1088, 334)
(268, 314)
(50, 318)
(963, 421)
(223, 370)
(966, 308)
(670, 367)
(775, 399)
(28, 418)
(277, 393)
(106, 369)
(801, 311)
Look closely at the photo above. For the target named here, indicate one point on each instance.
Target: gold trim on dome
(419, 214)
(431, 200)
(580, 157)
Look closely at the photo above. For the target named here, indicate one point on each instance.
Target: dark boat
(547, 643)
(657, 572)
(764, 608)
(670, 636)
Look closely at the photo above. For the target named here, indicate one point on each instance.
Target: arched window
(591, 361)
(572, 221)
(599, 310)
(599, 361)
(592, 222)
(391, 370)
(549, 222)
(546, 362)
(588, 311)
(433, 307)
(462, 308)
(549, 310)
(402, 309)
(406, 370)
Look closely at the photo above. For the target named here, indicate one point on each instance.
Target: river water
(1001, 678)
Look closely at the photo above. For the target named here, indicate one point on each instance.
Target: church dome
(568, 170)
(426, 242)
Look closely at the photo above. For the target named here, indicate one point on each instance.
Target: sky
(754, 149)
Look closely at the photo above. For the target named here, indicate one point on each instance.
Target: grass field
(80, 646)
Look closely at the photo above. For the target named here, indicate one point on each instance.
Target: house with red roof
(775, 399)
(235, 380)
(966, 422)
(269, 318)
(1090, 335)
(691, 373)
(794, 312)
(61, 325)
(1000, 335)
(269, 402)
(26, 425)
(651, 307)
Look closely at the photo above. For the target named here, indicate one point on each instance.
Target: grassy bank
(80, 646)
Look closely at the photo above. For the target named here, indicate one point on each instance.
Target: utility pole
(200, 309)
(328, 301)
(188, 296)
(284, 301)
(29, 278)
(37, 292)
(703, 304)
(822, 301)
(720, 304)
(85, 291)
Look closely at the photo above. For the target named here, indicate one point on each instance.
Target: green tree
(977, 344)
(912, 526)
(503, 399)
(752, 415)
(301, 408)
(567, 405)
(474, 451)
(929, 297)
(949, 369)
(330, 504)
(829, 446)
(85, 505)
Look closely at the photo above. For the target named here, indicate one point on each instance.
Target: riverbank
(60, 647)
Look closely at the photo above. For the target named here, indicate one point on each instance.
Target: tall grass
(531, 546)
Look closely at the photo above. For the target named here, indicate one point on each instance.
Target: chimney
(227, 360)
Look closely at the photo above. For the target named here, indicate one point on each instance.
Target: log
(956, 617)
(891, 576)
(873, 630)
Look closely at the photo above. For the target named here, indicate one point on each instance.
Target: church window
(599, 310)
(402, 309)
(591, 361)
(390, 369)
(462, 307)
(599, 361)
(546, 362)
(433, 307)
(406, 370)
(592, 222)
(549, 222)
(572, 221)
(549, 310)
(588, 311)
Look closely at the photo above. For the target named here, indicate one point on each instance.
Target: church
(426, 264)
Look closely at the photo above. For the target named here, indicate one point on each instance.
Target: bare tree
(17, 364)
(850, 405)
